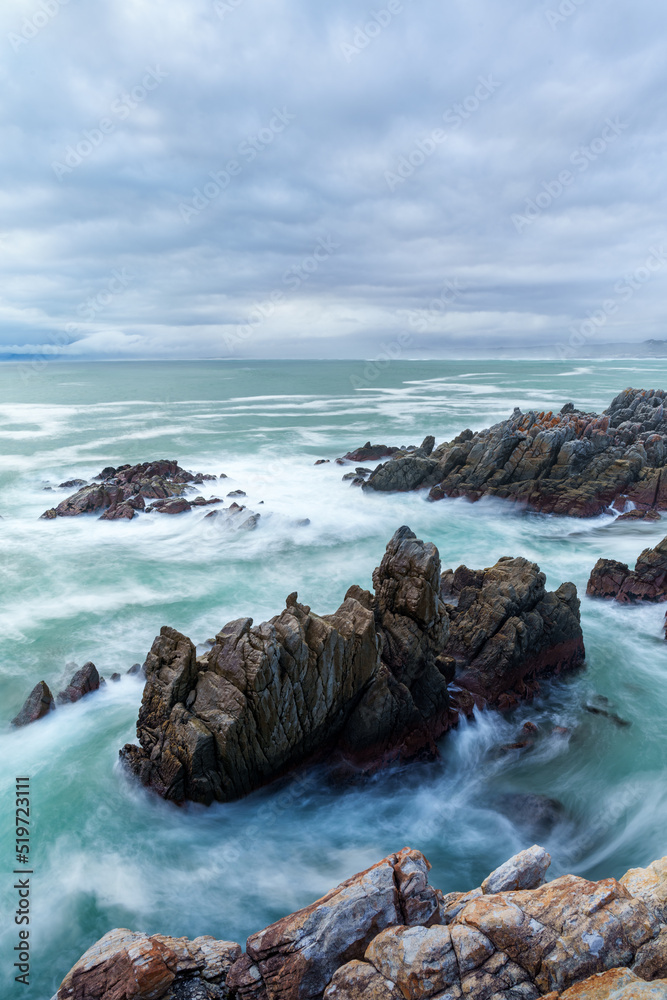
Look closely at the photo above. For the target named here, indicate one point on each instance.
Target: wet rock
(173, 507)
(71, 483)
(647, 582)
(507, 630)
(566, 463)
(82, 683)
(370, 453)
(387, 934)
(130, 965)
(322, 461)
(236, 493)
(598, 706)
(136, 668)
(119, 492)
(537, 815)
(362, 688)
(525, 870)
(38, 704)
(115, 677)
(638, 515)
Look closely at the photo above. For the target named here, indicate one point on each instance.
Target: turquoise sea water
(107, 854)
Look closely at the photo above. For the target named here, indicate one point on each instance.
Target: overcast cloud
(269, 178)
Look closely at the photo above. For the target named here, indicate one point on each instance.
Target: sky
(281, 179)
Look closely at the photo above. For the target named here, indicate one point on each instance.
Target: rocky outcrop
(570, 462)
(387, 934)
(647, 582)
(84, 681)
(126, 965)
(506, 630)
(362, 687)
(121, 492)
(38, 704)
(40, 701)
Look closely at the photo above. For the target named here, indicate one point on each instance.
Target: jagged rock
(297, 956)
(127, 965)
(649, 884)
(525, 870)
(506, 629)
(369, 453)
(386, 934)
(71, 483)
(567, 463)
(38, 704)
(173, 507)
(119, 493)
(82, 683)
(647, 582)
(360, 688)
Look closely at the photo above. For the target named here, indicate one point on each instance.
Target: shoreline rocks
(570, 462)
(387, 934)
(378, 681)
(646, 582)
(119, 493)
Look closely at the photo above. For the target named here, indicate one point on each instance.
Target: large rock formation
(386, 934)
(120, 493)
(364, 686)
(647, 582)
(506, 630)
(565, 463)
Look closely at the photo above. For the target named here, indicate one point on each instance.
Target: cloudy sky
(280, 178)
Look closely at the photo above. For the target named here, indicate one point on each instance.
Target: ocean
(105, 853)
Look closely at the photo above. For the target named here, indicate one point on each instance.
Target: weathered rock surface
(362, 687)
(647, 582)
(126, 965)
(120, 493)
(84, 681)
(38, 704)
(506, 629)
(386, 934)
(570, 462)
(524, 871)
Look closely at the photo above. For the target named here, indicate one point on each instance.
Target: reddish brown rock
(647, 582)
(565, 463)
(126, 965)
(369, 453)
(123, 491)
(82, 683)
(38, 704)
(362, 688)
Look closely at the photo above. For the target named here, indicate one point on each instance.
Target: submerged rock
(647, 582)
(38, 704)
(360, 688)
(387, 934)
(565, 463)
